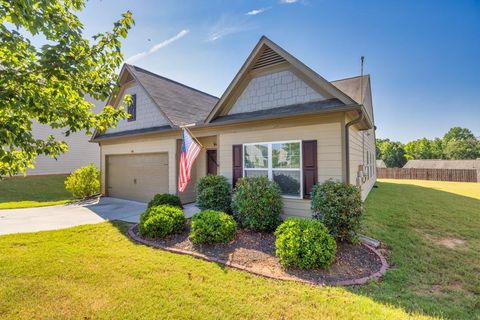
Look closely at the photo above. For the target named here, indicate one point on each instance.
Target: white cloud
(288, 1)
(254, 12)
(157, 47)
(227, 25)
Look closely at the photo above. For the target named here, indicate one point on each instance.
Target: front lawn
(432, 229)
(95, 271)
(33, 191)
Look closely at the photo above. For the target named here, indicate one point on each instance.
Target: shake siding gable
(273, 90)
(147, 113)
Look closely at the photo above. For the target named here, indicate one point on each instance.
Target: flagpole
(191, 134)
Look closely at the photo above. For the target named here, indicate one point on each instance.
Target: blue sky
(423, 56)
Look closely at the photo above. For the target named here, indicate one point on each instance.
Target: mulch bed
(255, 252)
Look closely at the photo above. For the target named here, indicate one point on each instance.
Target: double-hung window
(279, 161)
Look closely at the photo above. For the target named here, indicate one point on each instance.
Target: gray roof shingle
(181, 104)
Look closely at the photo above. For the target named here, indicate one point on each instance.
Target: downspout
(347, 143)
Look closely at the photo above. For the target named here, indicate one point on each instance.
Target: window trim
(270, 168)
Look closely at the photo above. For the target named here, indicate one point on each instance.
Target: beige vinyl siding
(327, 132)
(360, 143)
(140, 146)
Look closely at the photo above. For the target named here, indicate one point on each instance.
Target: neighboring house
(80, 151)
(381, 164)
(277, 118)
(445, 164)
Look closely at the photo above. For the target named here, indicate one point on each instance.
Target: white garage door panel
(137, 176)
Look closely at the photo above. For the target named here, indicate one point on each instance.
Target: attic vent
(267, 58)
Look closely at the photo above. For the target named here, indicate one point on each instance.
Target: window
(132, 109)
(279, 161)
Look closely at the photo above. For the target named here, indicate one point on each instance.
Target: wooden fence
(461, 175)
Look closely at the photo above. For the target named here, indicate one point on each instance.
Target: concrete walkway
(75, 214)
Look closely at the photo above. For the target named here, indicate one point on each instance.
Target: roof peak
(137, 68)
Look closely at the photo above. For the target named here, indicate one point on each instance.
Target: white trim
(270, 168)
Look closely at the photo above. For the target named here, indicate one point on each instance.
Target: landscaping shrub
(212, 226)
(165, 198)
(339, 207)
(161, 221)
(83, 182)
(257, 203)
(214, 193)
(304, 243)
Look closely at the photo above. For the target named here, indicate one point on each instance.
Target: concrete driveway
(69, 215)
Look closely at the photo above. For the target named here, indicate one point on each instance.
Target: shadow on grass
(416, 224)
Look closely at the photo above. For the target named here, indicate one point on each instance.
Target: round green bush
(212, 226)
(304, 243)
(165, 198)
(83, 182)
(257, 203)
(339, 207)
(214, 193)
(161, 221)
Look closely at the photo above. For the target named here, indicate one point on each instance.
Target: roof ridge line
(350, 78)
(173, 81)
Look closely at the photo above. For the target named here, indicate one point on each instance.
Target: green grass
(97, 272)
(33, 191)
(412, 218)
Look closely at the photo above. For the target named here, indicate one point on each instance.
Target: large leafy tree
(391, 152)
(458, 133)
(48, 83)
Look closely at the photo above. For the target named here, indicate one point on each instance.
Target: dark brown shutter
(309, 154)
(237, 159)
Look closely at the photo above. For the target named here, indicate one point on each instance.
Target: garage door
(137, 176)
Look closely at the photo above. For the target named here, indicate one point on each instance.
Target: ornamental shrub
(257, 203)
(339, 207)
(83, 182)
(161, 221)
(214, 193)
(211, 226)
(165, 198)
(304, 243)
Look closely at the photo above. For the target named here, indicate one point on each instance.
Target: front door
(212, 162)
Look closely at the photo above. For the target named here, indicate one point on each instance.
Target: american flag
(190, 151)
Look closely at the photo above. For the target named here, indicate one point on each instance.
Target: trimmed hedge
(304, 243)
(83, 182)
(257, 203)
(209, 227)
(214, 193)
(339, 207)
(161, 221)
(165, 199)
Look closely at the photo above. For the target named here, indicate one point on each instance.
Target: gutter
(347, 143)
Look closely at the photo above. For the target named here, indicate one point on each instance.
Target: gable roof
(443, 164)
(267, 54)
(180, 104)
(355, 87)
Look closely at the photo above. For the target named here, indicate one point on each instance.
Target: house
(445, 164)
(80, 151)
(277, 118)
(381, 164)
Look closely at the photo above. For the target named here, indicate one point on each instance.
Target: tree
(468, 149)
(47, 84)
(391, 152)
(424, 149)
(458, 133)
